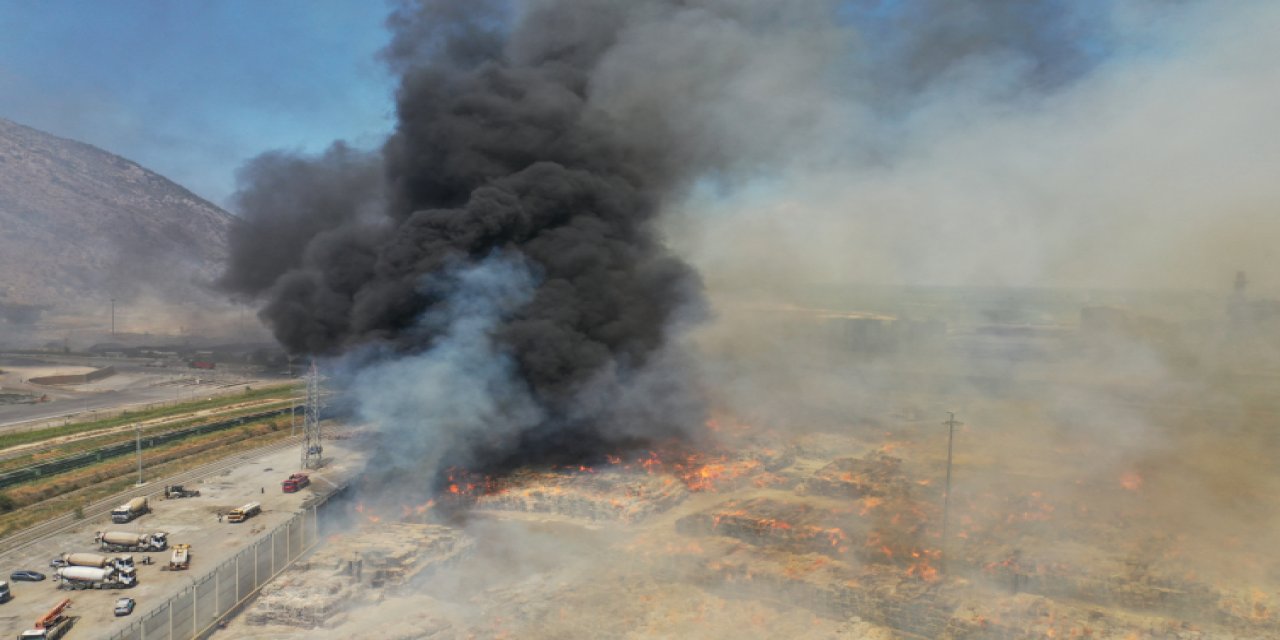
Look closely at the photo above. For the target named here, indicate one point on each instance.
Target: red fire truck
(295, 482)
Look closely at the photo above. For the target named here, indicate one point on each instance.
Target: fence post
(171, 616)
(195, 601)
(255, 563)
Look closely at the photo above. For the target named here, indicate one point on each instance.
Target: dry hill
(79, 225)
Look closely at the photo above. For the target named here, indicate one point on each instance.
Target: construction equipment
(295, 482)
(97, 560)
(116, 541)
(181, 558)
(95, 578)
(244, 513)
(176, 491)
(52, 625)
(130, 510)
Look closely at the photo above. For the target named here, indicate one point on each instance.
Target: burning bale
(349, 569)
(793, 526)
(749, 467)
(608, 495)
(876, 474)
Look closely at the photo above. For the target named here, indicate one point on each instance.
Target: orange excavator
(52, 625)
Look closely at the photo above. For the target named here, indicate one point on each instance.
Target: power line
(312, 448)
(946, 491)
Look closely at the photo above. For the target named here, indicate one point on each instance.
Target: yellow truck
(244, 513)
(181, 557)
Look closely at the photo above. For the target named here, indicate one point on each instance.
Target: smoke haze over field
(956, 143)
(547, 141)
(597, 223)
(1124, 147)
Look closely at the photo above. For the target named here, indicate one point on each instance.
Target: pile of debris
(1026, 616)
(350, 568)
(1134, 585)
(880, 594)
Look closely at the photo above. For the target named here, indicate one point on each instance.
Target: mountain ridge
(79, 224)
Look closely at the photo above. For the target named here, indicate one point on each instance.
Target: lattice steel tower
(312, 449)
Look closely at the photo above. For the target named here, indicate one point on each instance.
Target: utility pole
(946, 491)
(312, 450)
(138, 434)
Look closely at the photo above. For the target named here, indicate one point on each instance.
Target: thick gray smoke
(541, 139)
(553, 133)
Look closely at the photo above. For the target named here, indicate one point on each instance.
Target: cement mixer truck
(95, 578)
(117, 541)
(97, 560)
(130, 510)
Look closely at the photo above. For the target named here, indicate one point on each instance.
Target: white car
(124, 606)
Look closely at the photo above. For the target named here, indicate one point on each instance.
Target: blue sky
(193, 89)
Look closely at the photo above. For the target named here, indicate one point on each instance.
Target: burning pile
(793, 526)
(620, 490)
(786, 527)
(612, 495)
(877, 475)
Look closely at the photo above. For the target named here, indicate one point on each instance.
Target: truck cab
(130, 510)
(295, 482)
(5, 594)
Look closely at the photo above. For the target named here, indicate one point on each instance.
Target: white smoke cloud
(430, 404)
(1149, 171)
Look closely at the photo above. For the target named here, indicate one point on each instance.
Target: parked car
(57, 563)
(124, 606)
(27, 576)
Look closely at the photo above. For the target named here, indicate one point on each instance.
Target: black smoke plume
(497, 156)
(536, 143)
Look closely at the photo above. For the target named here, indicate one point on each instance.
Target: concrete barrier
(75, 378)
